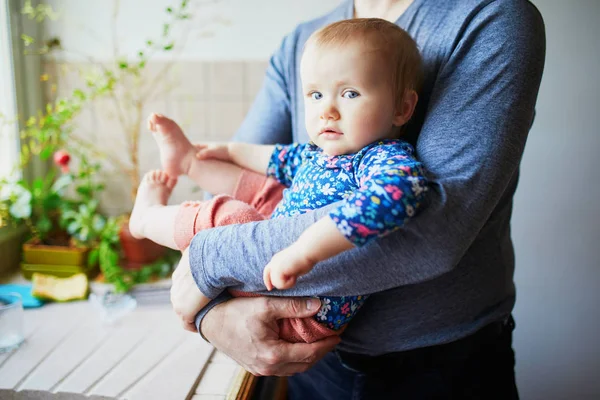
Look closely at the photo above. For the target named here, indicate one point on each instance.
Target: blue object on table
(25, 291)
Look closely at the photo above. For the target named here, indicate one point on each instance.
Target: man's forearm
(236, 258)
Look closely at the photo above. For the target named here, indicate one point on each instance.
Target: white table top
(145, 355)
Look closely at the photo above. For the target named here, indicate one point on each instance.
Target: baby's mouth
(330, 131)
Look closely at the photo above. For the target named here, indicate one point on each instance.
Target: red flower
(62, 159)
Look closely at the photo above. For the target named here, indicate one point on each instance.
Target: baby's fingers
(282, 281)
(200, 146)
(267, 278)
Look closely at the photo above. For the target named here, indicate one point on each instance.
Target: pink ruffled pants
(254, 199)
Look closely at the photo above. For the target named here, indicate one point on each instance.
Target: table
(70, 353)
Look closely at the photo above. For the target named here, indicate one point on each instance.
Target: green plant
(37, 205)
(122, 82)
(67, 206)
(64, 211)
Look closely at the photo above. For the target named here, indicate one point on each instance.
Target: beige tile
(254, 75)
(188, 81)
(217, 379)
(224, 119)
(225, 80)
(70, 76)
(116, 198)
(192, 117)
(156, 83)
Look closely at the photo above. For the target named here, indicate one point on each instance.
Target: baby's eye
(316, 95)
(350, 94)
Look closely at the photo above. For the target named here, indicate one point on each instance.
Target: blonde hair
(398, 48)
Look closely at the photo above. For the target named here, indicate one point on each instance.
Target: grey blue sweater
(450, 271)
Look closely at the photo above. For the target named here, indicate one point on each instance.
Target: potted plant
(67, 232)
(127, 85)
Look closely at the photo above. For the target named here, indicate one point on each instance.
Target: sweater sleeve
(471, 142)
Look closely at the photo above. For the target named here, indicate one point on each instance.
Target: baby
(360, 79)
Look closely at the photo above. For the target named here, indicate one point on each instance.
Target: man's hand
(186, 298)
(286, 266)
(246, 330)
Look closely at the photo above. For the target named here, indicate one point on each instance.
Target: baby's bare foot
(154, 190)
(176, 151)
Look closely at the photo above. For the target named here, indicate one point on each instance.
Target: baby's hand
(212, 151)
(285, 267)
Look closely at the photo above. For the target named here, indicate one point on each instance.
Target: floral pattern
(381, 187)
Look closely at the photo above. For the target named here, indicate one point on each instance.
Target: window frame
(27, 98)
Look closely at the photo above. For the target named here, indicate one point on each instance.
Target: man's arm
(471, 143)
(268, 121)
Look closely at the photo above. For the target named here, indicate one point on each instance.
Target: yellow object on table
(50, 287)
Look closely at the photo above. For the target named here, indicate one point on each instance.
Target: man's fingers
(284, 370)
(293, 307)
(309, 353)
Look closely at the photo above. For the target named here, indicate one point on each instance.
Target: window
(9, 148)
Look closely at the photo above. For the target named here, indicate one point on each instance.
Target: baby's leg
(178, 157)
(151, 218)
(195, 216)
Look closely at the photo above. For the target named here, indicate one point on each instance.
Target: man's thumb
(294, 307)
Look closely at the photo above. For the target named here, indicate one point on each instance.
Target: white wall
(556, 222)
(240, 29)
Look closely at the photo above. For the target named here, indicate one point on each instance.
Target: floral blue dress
(379, 188)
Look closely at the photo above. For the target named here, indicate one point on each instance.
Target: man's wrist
(204, 324)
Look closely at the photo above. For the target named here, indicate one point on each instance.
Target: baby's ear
(406, 108)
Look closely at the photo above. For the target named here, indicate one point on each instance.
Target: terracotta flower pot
(138, 252)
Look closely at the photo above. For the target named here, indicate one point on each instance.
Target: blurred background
(207, 83)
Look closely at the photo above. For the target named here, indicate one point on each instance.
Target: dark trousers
(480, 366)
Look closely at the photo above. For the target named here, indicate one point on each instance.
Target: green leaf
(123, 65)
(98, 223)
(46, 152)
(62, 182)
(44, 224)
(51, 202)
(73, 227)
(169, 10)
(27, 40)
(169, 47)
(93, 257)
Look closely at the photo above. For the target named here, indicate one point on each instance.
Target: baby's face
(348, 97)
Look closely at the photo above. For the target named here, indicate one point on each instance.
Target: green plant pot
(61, 271)
(11, 239)
(35, 253)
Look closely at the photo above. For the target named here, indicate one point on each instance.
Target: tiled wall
(208, 99)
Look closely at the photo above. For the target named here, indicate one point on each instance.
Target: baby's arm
(320, 241)
(254, 157)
